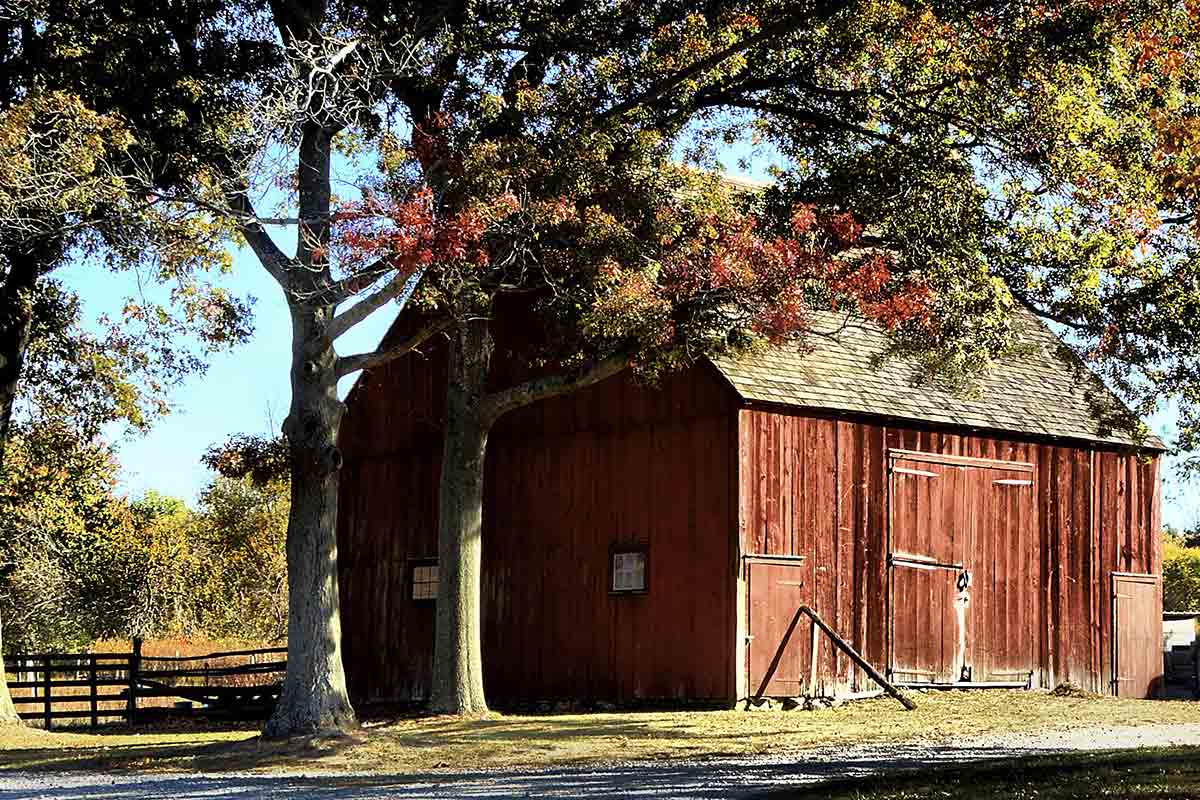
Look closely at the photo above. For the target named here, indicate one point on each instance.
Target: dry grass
(414, 744)
(179, 647)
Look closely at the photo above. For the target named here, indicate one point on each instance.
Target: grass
(424, 743)
(1172, 772)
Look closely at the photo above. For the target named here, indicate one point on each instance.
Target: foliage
(1180, 574)
(244, 524)
(265, 461)
(82, 141)
(219, 571)
(67, 546)
(79, 562)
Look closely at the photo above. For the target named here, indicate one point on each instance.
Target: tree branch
(496, 404)
(274, 260)
(367, 306)
(781, 28)
(385, 354)
(798, 114)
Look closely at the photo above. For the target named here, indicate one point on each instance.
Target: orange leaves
(778, 279)
(411, 235)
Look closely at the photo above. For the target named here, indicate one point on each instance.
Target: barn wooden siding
(567, 480)
(818, 488)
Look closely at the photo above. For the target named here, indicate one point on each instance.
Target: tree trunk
(8, 712)
(314, 699)
(16, 319)
(458, 661)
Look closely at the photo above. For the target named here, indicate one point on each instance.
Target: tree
(993, 153)
(243, 524)
(69, 552)
(965, 140)
(85, 144)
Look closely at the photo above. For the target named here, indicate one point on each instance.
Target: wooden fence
(112, 685)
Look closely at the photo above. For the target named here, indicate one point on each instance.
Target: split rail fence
(53, 686)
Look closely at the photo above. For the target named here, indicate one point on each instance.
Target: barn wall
(818, 487)
(567, 480)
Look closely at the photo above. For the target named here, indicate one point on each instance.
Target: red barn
(655, 542)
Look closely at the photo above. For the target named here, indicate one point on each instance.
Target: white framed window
(629, 571)
(424, 580)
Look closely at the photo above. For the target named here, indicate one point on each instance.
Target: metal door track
(964, 685)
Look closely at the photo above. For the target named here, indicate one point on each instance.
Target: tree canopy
(933, 164)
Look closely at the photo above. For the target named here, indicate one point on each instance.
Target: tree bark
(16, 321)
(458, 658)
(8, 712)
(314, 699)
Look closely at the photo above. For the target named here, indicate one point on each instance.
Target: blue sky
(244, 390)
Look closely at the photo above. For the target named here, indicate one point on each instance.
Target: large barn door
(1137, 636)
(1003, 560)
(926, 572)
(961, 561)
(779, 645)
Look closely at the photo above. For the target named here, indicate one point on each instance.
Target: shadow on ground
(715, 778)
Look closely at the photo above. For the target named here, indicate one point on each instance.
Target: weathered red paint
(707, 485)
(1041, 546)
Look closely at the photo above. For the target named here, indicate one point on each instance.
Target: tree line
(932, 165)
(80, 562)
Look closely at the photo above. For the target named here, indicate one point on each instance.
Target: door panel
(961, 557)
(1002, 561)
(925, 558)
(926, 521)
(779, 644)
(925, 622)
(1137, 636)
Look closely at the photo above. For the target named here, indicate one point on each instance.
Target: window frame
(413, 565)
(628, 549)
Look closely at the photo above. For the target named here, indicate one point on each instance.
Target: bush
(1181, 576)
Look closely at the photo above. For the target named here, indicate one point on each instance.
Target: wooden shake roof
(1044, 389)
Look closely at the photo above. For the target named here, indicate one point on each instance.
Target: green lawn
(1161, 773)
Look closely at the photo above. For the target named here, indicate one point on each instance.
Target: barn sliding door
(925, 566)
(960, 569)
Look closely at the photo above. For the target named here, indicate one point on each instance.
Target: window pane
(629, 572)
(425, 582)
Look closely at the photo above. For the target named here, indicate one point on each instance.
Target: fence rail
(134, 673)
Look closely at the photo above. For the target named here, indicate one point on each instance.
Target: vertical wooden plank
(844, 531)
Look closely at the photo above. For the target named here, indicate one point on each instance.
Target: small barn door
(926, 572)
(778, 647)
(1137, 636)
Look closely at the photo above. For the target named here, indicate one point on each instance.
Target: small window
(629, 571)
(425, 581)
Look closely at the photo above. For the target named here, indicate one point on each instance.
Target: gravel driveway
(718, 778)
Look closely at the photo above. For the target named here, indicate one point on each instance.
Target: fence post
(47, 706)
(135, 666)
(92, 694)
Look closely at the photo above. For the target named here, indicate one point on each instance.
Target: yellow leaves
(490, 105)
(55, 158)
(393, 156)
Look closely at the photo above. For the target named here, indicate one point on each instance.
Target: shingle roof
(1043, 390)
